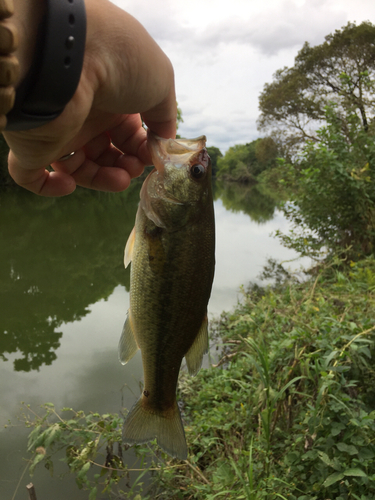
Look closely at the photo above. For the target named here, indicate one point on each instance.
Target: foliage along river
(63, 302)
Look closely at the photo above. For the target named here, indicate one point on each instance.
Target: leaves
(297, 385)
(88, 441)
(348, 448)
(244, 162)
(341, 71)
(290, 416)
(333, 478)
(354, 472)
(331, 208)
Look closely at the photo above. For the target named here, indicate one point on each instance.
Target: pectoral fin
(194, 355)
(128, 345)
(128, 255)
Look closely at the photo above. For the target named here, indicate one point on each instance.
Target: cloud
(271, 31)
(280, 25)
(224, 52)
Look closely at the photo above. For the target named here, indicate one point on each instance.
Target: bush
(288, 413)
(333, 199)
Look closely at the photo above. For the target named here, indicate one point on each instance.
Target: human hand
(125, 76)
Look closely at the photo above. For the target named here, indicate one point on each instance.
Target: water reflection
(247, 198)
(57, 256)
(60, 260)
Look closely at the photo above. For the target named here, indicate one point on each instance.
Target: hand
(125, 76)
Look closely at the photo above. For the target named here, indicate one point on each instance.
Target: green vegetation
(85, 440)
(286, 413)
(5, 179)
(244, 162)
(332, 195)
(289, 413)
(215, 154)
(341, 70)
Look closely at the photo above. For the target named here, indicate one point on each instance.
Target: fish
(172, 255)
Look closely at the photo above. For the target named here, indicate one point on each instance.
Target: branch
(197, 471)
(30, 488)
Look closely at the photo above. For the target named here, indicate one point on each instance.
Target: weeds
(288, 413)
(291, 414)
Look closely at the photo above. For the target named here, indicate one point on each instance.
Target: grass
(288, 412)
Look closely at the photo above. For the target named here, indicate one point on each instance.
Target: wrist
(51, 66)
(27, 18)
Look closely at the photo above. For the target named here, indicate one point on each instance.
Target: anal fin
(194, 356)
(128, 345)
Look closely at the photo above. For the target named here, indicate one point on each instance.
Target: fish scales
(172, 254)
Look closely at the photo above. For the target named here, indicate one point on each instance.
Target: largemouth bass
(172, 252)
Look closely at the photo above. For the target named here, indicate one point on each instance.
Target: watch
(56, 68)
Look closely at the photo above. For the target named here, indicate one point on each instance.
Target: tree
(333, 202)
(179, 116)
(340, 70)
(215, 154)
(244, 162)
(5, 178)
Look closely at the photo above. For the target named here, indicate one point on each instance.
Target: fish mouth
(176, 151)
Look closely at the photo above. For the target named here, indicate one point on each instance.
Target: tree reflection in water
(57, 256)
(247, 198)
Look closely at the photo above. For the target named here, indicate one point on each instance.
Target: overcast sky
(224, 51)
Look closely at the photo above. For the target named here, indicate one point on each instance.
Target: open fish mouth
(176, 151)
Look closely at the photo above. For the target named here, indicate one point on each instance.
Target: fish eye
(197, 171)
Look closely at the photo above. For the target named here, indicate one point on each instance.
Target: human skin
(125, 76)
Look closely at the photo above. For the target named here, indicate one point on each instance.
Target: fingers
(93, 176)
(130, 137)
(102, 166)
(99, 164)
(125, 73)
(40, 181)
(95, 168)
(162, 118)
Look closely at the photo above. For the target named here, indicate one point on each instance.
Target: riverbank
(288, 411)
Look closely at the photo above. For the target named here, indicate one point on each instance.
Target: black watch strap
(56, 69)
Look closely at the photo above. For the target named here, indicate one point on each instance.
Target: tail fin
(143, 424)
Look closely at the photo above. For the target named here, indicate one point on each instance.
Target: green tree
(215, 154)
(179, 116)
(333, 202)
(340, 70)
(244, 162)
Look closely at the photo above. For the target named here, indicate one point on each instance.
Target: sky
(224, 51)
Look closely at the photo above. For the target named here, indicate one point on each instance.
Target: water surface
(64, 297)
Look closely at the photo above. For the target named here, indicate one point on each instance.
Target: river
(63, 301)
